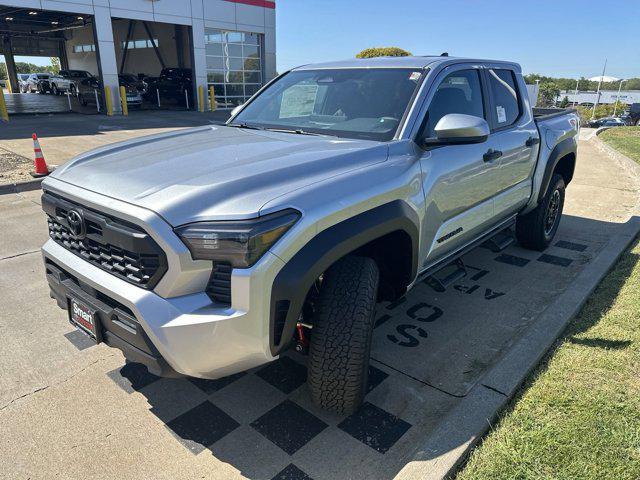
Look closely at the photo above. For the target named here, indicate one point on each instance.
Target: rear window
(506, 103)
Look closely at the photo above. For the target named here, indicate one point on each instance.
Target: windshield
(43, 76)
(349, 103)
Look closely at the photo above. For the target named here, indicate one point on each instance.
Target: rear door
(459, 180)
(513, 127)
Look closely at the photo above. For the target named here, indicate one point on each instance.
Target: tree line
(25, 67)
(583, 83)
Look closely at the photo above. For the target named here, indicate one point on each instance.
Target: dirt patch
(14, 167)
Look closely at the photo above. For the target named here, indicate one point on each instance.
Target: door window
(459, 92)
(506, 104)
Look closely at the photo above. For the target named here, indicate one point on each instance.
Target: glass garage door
(234, 65)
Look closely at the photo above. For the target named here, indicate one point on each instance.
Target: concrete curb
(463, 428)
(21, 186)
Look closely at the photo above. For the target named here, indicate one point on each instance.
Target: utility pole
(615, 105)
(593, 112)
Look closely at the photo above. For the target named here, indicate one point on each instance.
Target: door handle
(531, 141)
(491, 155)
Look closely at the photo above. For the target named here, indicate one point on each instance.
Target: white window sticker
(298, 101)
(502, 114)
(415, 76)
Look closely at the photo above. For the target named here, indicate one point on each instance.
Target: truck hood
(214, 172)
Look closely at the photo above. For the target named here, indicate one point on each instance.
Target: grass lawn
(578, 416)
(625, 139)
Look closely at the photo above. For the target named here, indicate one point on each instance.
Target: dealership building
(226, 44)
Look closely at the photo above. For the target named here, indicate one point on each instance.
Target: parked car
(89, 88)
(607, 122)
(171, 85)
(134, 86)
(212, 250)
(67, 81)
(22, 82)
(33, 83)
(634, 114)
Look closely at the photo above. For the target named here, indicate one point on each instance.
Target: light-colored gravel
(14, 167)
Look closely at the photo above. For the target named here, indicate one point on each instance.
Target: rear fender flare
(562, 149)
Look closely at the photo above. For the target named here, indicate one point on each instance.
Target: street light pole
(575, 98)
(615, 105)
(593, 112)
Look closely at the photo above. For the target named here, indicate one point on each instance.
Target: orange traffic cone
(40, 165)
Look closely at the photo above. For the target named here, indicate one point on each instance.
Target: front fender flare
(294, 280)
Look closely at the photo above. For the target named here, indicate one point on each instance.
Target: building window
(140, 43)
(84, 48)
(234, 65)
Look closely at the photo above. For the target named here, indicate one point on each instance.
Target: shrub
(383, 52)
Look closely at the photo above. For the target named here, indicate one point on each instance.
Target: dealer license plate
(82, 317)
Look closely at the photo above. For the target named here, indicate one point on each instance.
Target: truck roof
(399, 62)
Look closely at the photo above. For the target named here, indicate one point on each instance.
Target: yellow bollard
(4, 114)
(212, 99)
(123, 100)
(200, 98)
(9, 88)
(108, 101)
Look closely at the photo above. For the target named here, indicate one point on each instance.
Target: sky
(558, 38)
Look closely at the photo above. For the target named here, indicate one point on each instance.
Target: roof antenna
(444, 54)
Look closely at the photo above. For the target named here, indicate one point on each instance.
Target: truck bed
(547, 113)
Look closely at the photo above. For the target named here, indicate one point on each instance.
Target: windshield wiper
(244, 125)
(299, 131)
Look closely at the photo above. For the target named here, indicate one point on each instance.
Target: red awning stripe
(256, 3)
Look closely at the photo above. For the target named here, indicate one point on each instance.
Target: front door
(459, 180)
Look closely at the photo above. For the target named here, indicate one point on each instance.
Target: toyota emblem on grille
(76, 223)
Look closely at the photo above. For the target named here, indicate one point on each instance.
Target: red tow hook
(302, 344)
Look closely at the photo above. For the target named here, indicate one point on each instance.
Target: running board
(440, 284)
(500, 242)
(443, 263)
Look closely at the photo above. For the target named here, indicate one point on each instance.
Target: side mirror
(236, 109)
(459, 128)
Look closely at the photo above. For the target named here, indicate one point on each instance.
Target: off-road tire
(341, 336)
(532, 230)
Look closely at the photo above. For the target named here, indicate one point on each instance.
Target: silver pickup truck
(209, 251)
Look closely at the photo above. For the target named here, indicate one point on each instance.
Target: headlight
(240, 243)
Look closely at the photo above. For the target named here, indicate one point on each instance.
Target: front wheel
(536, 229)
(341, 336)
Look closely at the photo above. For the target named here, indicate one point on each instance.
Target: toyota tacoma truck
(209, 251)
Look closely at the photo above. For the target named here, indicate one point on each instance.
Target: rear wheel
(341, 335)
(536, 229)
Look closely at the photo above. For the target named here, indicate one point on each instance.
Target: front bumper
(186, 334)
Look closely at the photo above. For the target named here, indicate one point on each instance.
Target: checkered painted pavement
(429, 350)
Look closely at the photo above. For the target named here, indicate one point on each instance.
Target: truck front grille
(219, 288)
(114, 245)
